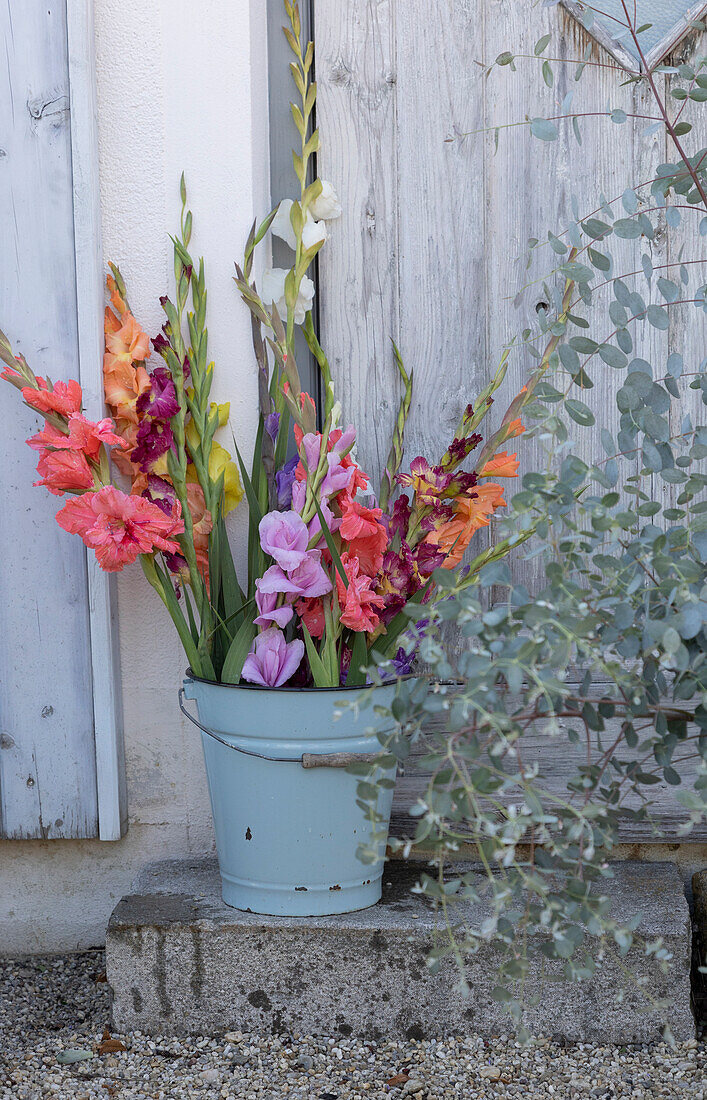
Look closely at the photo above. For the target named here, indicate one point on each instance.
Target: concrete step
(182, 962)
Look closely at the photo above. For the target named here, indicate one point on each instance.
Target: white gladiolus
(326, 206)
(282, 226)
(312, 234)
(273, 293)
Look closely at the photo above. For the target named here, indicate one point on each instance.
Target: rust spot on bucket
(337, 887)
(248, 834)
(301, 889)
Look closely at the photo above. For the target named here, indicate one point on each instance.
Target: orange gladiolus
(126, 344)
(472, 511)
(501, 465)
(129, 342)
(514, 428)
(202, 524)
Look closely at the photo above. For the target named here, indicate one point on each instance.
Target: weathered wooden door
(59, 759)
(431, 247)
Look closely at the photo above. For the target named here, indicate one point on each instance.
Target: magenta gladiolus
(283, 535)
(272, 661)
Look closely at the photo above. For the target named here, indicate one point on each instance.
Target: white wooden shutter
(60, 753)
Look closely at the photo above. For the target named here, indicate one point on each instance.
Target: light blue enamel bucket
(285, 808)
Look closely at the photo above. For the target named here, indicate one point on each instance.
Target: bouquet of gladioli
(331, 568)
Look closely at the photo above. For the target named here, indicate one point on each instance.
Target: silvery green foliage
(622, 542)
(625, 597)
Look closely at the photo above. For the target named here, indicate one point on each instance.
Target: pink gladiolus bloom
(283, 535)
(315, 528)
(121, 527)
(308, 579)
(341, 442)
(311, 577)
(299, 495)
(84, 435)
(311, 445)
(359, 604)
(274, 580)
(270, 614)
(64, 399)
(64, 472)
(338, 476)
(272, 661)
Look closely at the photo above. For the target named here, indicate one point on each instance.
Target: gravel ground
(54, 1006)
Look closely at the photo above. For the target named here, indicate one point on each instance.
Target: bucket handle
(307, 760)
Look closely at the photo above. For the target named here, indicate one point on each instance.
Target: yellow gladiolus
(220, 461)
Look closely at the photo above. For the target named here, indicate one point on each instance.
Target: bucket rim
(297, 690)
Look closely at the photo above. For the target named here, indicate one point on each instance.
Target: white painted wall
(181, 85)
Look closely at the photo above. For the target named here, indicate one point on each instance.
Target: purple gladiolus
(272, 425)
(403, 662)
(272, 660)
(160, 401)
(284, 536)
(154, 438)
(270, 613)
(284, 479)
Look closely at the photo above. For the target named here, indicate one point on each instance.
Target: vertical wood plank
(441, 217)
(47, 753)
(105, 660)
(358, 301)
(532, 185)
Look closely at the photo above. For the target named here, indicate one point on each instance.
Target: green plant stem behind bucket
(284, 806)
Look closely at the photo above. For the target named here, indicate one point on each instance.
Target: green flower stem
(395, 455)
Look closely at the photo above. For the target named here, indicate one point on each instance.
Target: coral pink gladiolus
(121, 527)
(359, 604)
(84, 435)
(367, 537)
(64, 472)
(65, 398)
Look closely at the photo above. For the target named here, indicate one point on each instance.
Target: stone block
(182, 962)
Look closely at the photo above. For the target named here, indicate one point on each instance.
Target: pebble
(52, 1004)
